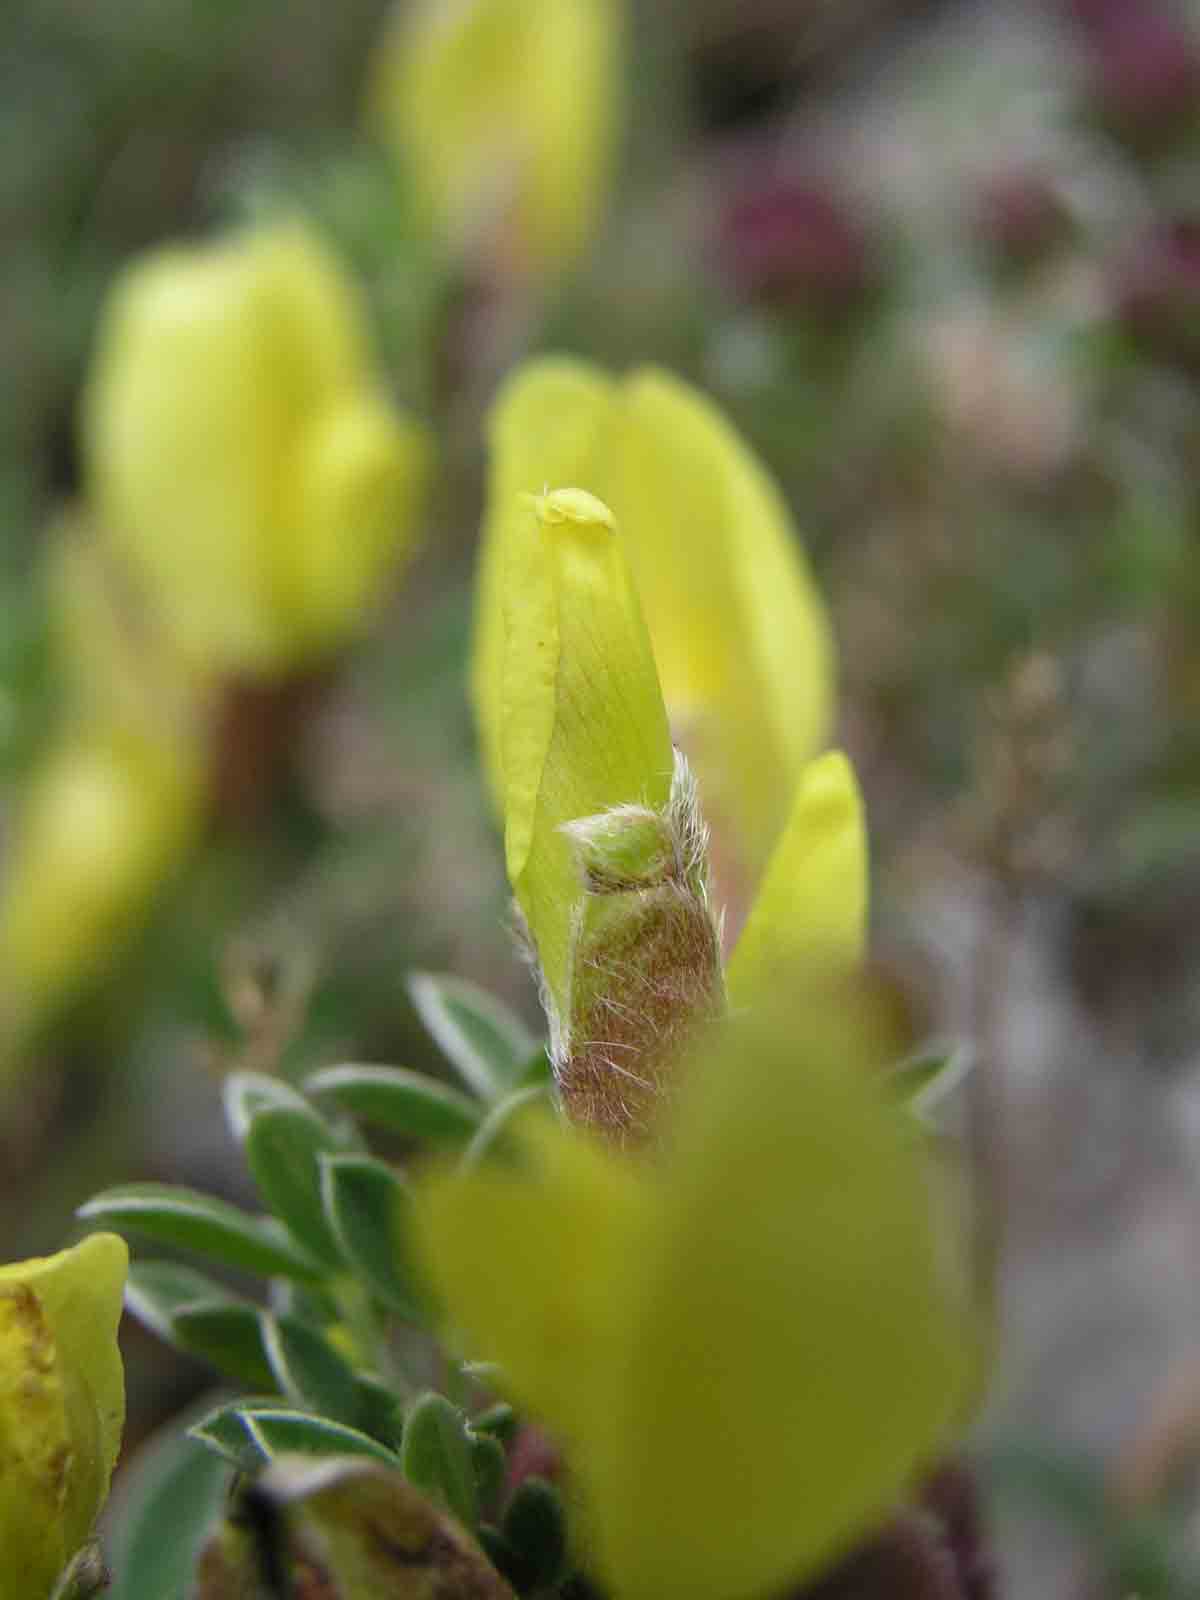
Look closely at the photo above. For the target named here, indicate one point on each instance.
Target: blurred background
(940, 262)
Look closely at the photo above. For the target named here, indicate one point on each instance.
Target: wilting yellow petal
(740, 634)
(809, 919)
(583, 726)
(545, 428)
(504, 114)
(235, 436)
(62, 1407)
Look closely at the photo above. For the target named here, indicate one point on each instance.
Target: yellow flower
(740, 635)
(62, 1407)
(242, 455)
(747, 1347)
(505, 114)
(105, 817)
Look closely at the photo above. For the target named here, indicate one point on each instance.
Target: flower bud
(241, 454)
(505, 114)
(1020, 218)
(62, 1407)
(1156, 287)
(1145, 72)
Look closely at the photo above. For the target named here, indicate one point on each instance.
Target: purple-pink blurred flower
(1156, 290)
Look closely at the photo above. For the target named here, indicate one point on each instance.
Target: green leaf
(279, 1430)
(156, 1290)
(226, 1432)
(499, 1420)
(406, 1102)
(478, 1034)
(366, 1203)
(436, 1456)
(202, 1223)
(495, 1125)
(228, 1334)
(924, 1080)
(491, 1468)
(381, 1409)
(535, 1525)
(283, 1151)
(166, 1499)
(309, 1370)
(246, 1094)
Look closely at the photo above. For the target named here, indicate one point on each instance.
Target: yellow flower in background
(105, 817)
(505, 114)
(242, 455)
(62, 1407)
(747, 1347)
(740, 634)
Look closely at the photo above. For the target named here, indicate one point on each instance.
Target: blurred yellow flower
(62, 1407)
(747, 1347)
(105, 817)
(505, 113)
(242, 455)
(741, 637)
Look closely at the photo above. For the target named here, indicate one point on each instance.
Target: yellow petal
(809, 918)
(505, 114)
(740, 634)
(583, 726)
(794, 1356)
(62, 1406)
(545, 428)
(531, 1259)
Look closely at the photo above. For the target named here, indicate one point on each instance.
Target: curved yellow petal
(62, 1406)
(741, 636)
(583, 727)
(530, 1257)
(546, 427)
(809, 918)
(505, 114)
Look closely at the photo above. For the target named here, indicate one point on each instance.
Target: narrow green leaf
(202, 1223)
(478, 1034)
(166, 1500)
(381, 1409)
(309, 1370)
(366, 1203)
(924, 1080)
(228, 1334)
(495, 1125)
(246, 1094)
(535, 1525)
(283, 1150)
(156, 1290)
(406, 1102)
(281, 1431)
(226, 1432)
(491, 1469)
(436, 1456)
(499, 1420)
